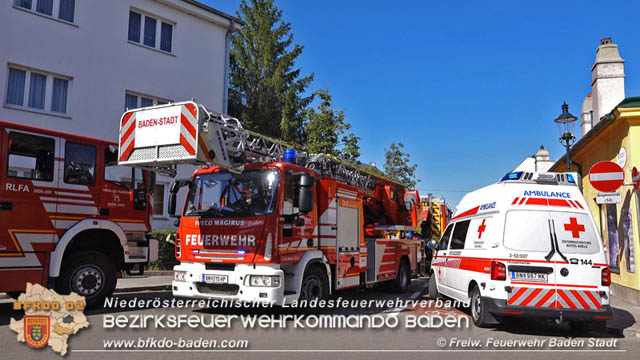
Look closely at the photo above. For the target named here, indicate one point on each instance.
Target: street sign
(609, 198)
(606, 176)
(635, 177)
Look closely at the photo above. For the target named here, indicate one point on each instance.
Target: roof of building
(214, 11)
(605, 121)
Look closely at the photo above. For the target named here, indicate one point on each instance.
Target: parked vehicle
(67, 221)
(264, 224)
(524, 247)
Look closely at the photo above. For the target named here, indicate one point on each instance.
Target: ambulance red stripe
(546, 297)
(558, 202)
(593, 300)
(566, 299)
(532, 296)
(580, 299)
(537, 201)
(468, 213)
(516, 295)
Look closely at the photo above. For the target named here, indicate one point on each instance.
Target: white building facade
(75, 66)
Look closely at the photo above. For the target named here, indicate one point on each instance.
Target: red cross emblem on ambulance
(482, 228)
(574, 227)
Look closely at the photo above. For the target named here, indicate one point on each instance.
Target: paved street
(289, 342)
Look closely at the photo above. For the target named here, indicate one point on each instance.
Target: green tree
(325, 130)
(397, 165)
(266, 89)
(350, 147)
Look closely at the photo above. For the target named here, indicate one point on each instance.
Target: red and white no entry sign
(635, 177)
(606, 176)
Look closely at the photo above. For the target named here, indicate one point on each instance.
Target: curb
(631, 332)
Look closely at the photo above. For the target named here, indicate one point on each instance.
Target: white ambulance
(526, 246)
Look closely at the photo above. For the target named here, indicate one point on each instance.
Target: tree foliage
(326, 127)
(397, 165)
(266, 89)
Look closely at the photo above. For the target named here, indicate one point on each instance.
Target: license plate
(214, 279)
(526, 276)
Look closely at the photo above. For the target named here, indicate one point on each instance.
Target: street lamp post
(566, 123)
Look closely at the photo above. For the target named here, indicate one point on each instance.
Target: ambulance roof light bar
(540, 178)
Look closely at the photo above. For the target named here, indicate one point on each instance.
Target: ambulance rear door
(580, 260)
(529, 258)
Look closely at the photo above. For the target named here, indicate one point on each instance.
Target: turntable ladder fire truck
(262, 224)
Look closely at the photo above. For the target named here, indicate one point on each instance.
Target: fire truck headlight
(179, 275)
(264, 280)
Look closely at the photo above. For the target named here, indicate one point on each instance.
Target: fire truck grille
(172, 152)
(220, 289)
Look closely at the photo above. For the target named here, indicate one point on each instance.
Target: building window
(150, 32)
(30, 157)
(134, 101)
(165, 37)
(64, 9)
(15, 88)
(38, 90)
(158, 200)
(79, 164)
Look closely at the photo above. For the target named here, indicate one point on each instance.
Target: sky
(470, 88)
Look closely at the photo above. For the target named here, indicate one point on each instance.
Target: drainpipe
(227, 50)
(579, 166)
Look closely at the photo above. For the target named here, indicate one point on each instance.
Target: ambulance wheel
(433, 287)
(90, 274)
(402, 281)
(315, 284)
(478, 311)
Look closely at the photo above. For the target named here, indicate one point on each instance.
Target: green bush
(166, 253)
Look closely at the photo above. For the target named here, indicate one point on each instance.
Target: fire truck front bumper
(237, 282)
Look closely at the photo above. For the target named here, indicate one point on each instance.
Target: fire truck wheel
(315, 284)
(433, 287)
(89, 274)
(402, 281)
(478, 311)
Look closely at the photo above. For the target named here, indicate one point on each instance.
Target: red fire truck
(263, 224)
(67, 220)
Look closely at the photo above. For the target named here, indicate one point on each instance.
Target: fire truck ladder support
(207, 137)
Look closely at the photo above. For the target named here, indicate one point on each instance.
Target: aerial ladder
(339, 217)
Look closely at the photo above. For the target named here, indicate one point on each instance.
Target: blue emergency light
(289, 156)
(242, 252)
(512, 176)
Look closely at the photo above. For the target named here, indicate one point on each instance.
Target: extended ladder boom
(160, 137)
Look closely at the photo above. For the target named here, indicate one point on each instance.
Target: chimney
(587, 118)
(607, 79)
(542, 160)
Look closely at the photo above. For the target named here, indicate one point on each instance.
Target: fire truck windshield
(251, 193)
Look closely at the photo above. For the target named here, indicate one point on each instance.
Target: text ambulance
(526, 246)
